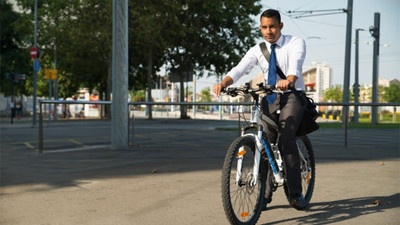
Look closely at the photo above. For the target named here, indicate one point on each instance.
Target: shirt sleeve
(296, 57)
(247, 62)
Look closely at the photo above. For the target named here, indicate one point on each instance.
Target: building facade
(317, 78)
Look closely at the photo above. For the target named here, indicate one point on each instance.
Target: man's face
(270, 29)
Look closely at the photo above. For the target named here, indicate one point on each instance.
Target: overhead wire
(305, 4)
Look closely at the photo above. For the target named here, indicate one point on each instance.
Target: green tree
(14, 57)
(334, 94)
(392, 94)
(210, 35)
(150, 37)
(205, 96)
(138, 96)
(187, 36)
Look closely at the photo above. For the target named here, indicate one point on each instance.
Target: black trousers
(287, 111)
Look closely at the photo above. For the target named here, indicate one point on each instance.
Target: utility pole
(34, 71)
(194, 95)
(356, 87)
(347, 58)
(119, 108)
(56, 80)
(375, 32)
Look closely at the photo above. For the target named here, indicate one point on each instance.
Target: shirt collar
(279, 42)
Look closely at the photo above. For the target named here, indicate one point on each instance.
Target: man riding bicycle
(288, 53)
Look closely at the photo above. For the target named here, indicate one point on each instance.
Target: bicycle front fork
(275, 161)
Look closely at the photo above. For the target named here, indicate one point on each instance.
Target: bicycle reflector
(244, 214)
(241, 153)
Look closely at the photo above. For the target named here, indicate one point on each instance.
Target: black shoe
(298, 201)
(265, 203)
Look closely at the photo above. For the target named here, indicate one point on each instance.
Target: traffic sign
(50, 74)
(36, 65)
(16, 76)
(54, 74)
(47, 74)
(34, 52)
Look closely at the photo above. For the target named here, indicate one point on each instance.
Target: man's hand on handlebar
(284, 85)
(224, 84)
(217, 88)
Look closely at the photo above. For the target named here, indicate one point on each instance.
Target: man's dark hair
(269, 13)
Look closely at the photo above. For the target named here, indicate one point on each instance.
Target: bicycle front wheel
(242, 200)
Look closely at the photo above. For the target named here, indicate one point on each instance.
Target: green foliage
(212, 35)
(138, 96)
(14, 57)
(334, 94)
(205, 95)
(186, 36)
(391, 93)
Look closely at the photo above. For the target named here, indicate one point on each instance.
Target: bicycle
(245, 173)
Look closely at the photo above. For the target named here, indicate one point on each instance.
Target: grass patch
(339, 126)
(233, 128)
(361, 125)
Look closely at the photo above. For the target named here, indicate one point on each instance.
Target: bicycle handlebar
(235, 91)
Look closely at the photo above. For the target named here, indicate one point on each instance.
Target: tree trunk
(107, 108)
(394, 114)
(102, 92)
(182, 97)
(149, 85)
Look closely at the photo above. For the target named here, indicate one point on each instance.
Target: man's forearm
(226, 82)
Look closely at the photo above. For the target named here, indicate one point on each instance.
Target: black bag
(308, 123)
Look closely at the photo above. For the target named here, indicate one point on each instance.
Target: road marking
(29, 145)
(77, 142)
(75, 149)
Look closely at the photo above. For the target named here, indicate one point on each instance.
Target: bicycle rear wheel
(242, 201)
(307, 168)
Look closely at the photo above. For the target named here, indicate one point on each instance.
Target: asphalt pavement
(171, 175)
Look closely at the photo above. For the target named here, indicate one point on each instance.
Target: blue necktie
(272, 74)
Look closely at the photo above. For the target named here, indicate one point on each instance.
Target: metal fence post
(40, 128)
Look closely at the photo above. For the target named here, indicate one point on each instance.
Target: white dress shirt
(290, 54)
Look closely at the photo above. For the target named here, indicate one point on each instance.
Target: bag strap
(266, 54)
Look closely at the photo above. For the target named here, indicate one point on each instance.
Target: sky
(325, 37)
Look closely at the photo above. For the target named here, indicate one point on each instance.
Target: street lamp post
(356, 87)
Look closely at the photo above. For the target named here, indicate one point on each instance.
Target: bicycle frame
(276, 165)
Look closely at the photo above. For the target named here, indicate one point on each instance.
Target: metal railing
(42, 102)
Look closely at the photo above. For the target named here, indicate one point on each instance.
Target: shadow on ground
(342, 210)
(161, 146)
